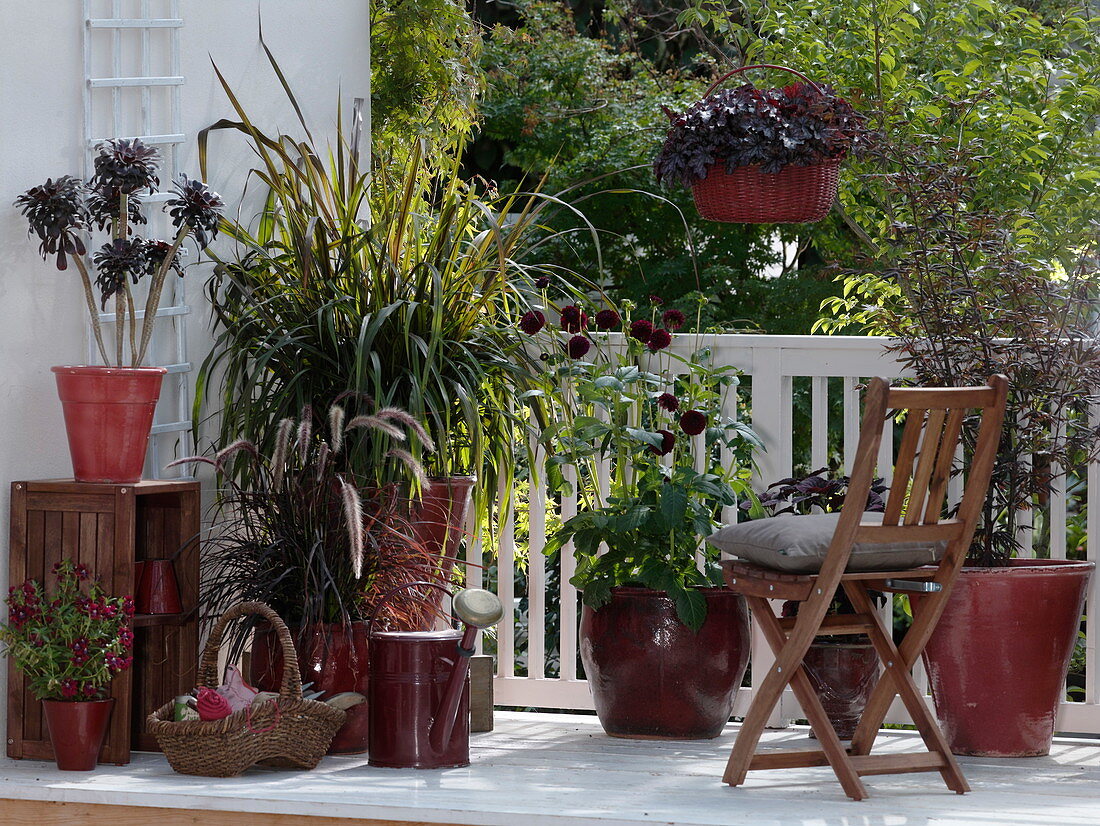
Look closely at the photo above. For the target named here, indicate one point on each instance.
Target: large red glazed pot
(335, 658)
(843, 675)
(77, 731)
(653, 677)
(108, 415)
(997, 660)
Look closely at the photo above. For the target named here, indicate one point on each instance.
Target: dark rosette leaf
(573, 319)
(542, 282)
(197, 206)
(56, 213)
(532, 321)
(693, 422)
(798, 125)
(115, 261)
(667, 401)
(578, 347)
(668, 442)
(103, 209)
(607, 320)
(126, 166)
(155, 253)
(641, 329)
(673, 319)
(659, 339)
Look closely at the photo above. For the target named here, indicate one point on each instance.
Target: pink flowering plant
(69, 643)
(648, 440)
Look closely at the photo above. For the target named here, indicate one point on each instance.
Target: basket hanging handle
(291, 687)
(738, 70)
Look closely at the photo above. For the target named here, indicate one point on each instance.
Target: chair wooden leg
(812, 708)
(897, 673)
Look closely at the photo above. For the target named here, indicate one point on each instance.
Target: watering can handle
(382, 600)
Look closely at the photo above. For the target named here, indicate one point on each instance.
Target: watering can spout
(477, 609)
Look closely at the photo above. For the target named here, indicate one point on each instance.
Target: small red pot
(108, 415)
(158, 591)
(651, 676)
(843, 675)
(77, 731)
(334, 658)
(998, 658)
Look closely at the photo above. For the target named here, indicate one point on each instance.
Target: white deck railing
(827, 371)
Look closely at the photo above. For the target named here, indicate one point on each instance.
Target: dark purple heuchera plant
(62, 212)
(798, 125)
(817, 489)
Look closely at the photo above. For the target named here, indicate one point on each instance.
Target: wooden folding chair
(913, 513)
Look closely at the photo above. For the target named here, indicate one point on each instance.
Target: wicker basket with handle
(793, 195)
(288, 731)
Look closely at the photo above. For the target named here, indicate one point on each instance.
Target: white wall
(321, 46)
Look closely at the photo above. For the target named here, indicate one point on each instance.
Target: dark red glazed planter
(653, 677)
(997, 660)
(843, 675)
(335, 659)
(108, 415)
(77, 731)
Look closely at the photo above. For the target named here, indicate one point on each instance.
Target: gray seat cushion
(797, 544)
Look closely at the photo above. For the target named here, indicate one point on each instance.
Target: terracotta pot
(158, 591)
(77, 731)
(439, 517)
(843, 675)
(653, 677)
(997, 660)
(108, 415)
(334, 658)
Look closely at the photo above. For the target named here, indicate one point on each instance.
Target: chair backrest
(933, 429)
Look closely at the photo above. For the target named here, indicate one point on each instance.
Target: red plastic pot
(843, 675)
(157, 591)
(334, 658)
(108, 415)
(439, 517)
(77, 731)
(651, 676)
(997, 660)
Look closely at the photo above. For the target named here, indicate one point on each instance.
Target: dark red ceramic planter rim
(1031, 566)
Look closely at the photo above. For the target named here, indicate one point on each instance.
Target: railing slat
(506, 562)
(536, 571)
(819, 422)
(567, 644)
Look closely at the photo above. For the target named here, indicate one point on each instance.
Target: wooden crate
(108, 528)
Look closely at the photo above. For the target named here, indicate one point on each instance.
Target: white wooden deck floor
(561, 770)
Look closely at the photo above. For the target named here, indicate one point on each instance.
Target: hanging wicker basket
(794, 195)
(286, 732)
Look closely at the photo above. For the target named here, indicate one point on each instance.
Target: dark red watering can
(419, 701)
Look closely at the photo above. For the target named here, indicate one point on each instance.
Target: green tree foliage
(424, 73)
(1021, 82)
(575, 107)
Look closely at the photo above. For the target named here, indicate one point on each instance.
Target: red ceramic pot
(439, 517)
(653, 677)
(77, 731)
(843, 675)
(334, 658)
(108, 415)
(158, 591)
(997, 660)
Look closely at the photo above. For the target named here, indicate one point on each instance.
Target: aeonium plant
(652, 424)
(798, 125)
(63, 212)
(71, 642)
